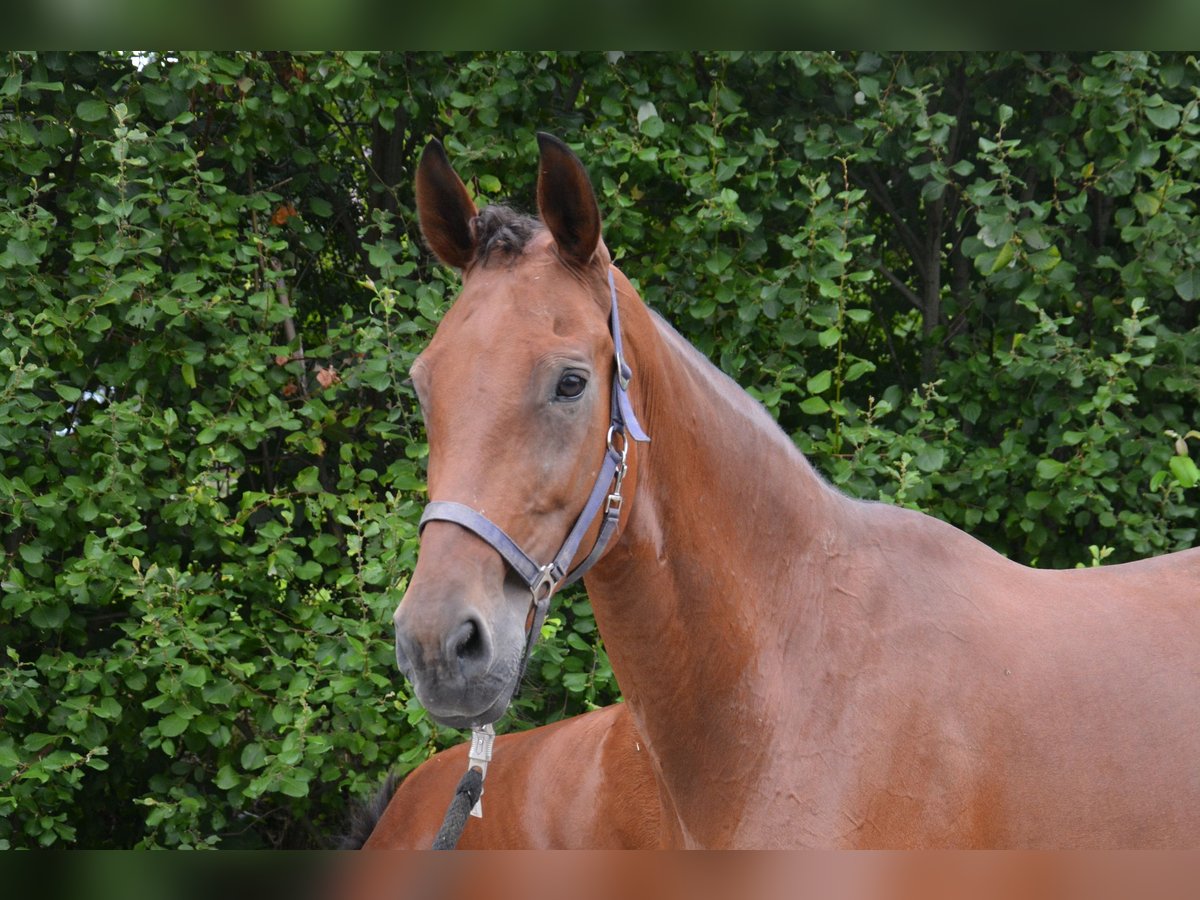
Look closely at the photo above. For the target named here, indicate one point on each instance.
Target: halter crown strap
(624, 374)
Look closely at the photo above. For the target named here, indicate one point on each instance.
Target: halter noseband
(543, 581)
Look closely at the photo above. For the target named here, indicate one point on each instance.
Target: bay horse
(805, 669)
(582, 783)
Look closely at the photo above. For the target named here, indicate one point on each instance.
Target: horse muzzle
(459, 671)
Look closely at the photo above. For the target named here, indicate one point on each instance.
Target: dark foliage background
(962, 282)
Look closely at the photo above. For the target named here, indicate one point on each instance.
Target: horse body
(580, 783)
(881, 678)
(806, 669)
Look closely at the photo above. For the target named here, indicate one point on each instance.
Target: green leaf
(1003, 257)
(820, 382)
(172, 725)
(379, 255)
(8, 754)
(293, 786)
(1184, 470)
(1187, 284)
(814, 406)
(652, 127)
(932, 190)
(320, 206)
(1166, 116)
(49, 615)
(308, 570)
(1045, 260)
(108, 708)
(308, 481)
(21, 252)
(931, 459)
(253, 756)
(1037, 500)
(68, 392)
(189, 375)
(718, 260)
(92, 110)
(829, 337)
(1147, 204)
(1049, 469)
(858, 369)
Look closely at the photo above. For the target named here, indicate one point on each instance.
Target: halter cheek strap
(605, 499)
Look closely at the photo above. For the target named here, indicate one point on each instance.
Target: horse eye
(570, 386)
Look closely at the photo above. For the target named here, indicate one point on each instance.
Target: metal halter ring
(546, 580)
(613, 431)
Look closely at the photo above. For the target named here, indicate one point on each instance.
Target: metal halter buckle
(624, 373)
(479, 756)
(613, 502)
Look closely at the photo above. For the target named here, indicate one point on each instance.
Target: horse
(805, 669)
(581, 783)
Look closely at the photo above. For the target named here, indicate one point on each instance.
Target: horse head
(517, 389)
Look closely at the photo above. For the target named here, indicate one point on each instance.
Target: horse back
(1014, 706)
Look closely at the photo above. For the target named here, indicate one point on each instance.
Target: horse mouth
(460, 716)
(455, 703)
(487, 717)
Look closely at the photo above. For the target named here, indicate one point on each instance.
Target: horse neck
(697, 598)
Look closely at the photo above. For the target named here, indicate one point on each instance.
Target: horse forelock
(501, 229)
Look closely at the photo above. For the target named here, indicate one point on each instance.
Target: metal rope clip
(479, 757)
(613, 502)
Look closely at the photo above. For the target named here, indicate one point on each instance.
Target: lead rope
(467, 796)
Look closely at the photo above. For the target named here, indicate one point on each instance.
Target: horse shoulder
(631, 805)
(613, 799)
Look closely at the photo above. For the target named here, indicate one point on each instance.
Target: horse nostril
(468, 645)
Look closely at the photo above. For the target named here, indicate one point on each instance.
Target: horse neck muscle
(701, 597)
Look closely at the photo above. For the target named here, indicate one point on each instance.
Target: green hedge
(965, 283)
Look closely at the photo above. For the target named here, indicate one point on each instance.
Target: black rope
(466, 795)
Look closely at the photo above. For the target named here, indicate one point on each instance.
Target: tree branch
(874, 186)
(904, 289)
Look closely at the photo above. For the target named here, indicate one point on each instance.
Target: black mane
(501, 228)
(365, 815)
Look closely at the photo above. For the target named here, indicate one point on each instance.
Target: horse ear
(444, 208)
(566, 201)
